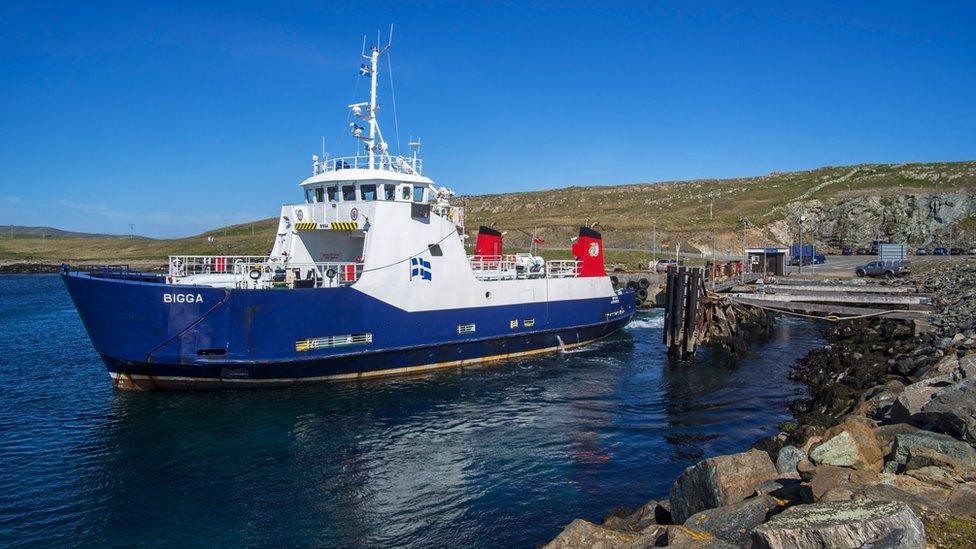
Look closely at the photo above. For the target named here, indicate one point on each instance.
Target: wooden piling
(685, 312)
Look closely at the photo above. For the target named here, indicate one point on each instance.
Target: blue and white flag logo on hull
(419, 268)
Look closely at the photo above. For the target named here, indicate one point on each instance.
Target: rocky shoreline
(43, 267)
(882, 452)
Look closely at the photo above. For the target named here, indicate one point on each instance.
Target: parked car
(972, 251)
(887, 269)
(846, 250)
(922, 251)
(862, 251)
(940, 251)
(818, 259)
(663, 265)
(955, 251)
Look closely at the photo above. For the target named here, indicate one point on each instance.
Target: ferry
(368, 276)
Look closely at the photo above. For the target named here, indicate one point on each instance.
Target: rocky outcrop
(882, 447)
(914, 217)
(843, 524)
(719, 481)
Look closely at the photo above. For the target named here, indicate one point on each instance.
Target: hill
(897, 200)
(916, 203)
(20, 231)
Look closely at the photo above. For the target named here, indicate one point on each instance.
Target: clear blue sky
(179, 117)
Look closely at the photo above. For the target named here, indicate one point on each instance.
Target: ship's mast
(374, 140)
(374, 56)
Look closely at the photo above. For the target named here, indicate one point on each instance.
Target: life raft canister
(349, 273)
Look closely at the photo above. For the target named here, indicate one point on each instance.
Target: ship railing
(493, 267)
(454, 214)
(398, 164)
(506, 267)
(185, 265)
(289, 274)
(562, 268)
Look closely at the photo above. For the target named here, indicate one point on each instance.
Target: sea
(498, 455)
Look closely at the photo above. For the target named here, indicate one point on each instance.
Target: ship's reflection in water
(502, 455)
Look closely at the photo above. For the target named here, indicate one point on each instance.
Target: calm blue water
(503, 455)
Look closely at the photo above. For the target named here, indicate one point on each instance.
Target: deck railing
(185, 265)
(508, 267)
(398, 164)
(562, 268)
(320, 274)
(251, 271)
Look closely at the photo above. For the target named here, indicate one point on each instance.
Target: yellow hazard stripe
(344, 226)
(306, 226)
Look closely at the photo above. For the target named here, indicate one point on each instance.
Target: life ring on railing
(254, 274)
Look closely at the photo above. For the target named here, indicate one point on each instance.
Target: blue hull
(157, 336)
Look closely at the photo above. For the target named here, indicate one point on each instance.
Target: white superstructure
(373, 221)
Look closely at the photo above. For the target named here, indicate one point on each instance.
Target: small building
(767, 260)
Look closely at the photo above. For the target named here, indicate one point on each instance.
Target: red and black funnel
(489, 242)
(588, 249)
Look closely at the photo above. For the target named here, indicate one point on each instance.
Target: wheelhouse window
(348, 193)
(389, 192)
(319, 194)
(418, 193)
(309, 196)
(333, 193)
(405, 192)
(368, 192)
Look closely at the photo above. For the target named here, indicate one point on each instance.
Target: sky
(168, 119)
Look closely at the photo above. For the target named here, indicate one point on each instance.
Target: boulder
(806, 469)
(850, 443)
(921, 497)
(955, 469)
(907, 444)
(962, 501)
(827, 477)
(732, 523)
(952, 411)
(718, 481)
(771, 445)
(842, 524)
(934, 476)
(686, 538)
(877, 401)
(789, 489)
(917, 395)
(886, 434)
(787, 459)
(635, 520)
(581, 534)
(944, 366)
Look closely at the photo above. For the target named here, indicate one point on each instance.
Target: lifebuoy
(254, 274)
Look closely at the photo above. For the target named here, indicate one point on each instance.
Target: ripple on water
(503, 454)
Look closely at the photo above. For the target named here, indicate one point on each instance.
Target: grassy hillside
(681, 209)
(625, 214)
